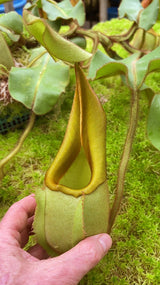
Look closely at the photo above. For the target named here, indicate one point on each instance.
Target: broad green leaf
(55, 25)
(104, 66)
(36, 57)
(153, 124)
(146, 65)
(39, 86)
(140, 67)
(12, 21)
(6, 58)
(144, 17)
(35, 11)
(79, 41)
(148, 91)
(134, 67)
(11, 24)
(130, 9)
(64, 10)
(149, 15)
(131, 77)
(10, 34)
(56, 45)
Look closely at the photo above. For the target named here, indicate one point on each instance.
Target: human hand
(34, 267)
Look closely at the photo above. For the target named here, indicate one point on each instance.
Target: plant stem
(125, 157)
(126, 36)
(18, 146)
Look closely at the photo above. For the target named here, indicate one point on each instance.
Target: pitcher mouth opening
(76, 178)
(78, 175)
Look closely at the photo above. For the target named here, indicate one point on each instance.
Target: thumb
(84, 256)
(70, 267)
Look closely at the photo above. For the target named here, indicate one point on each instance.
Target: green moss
(113, 27)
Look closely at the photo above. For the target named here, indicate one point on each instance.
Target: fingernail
(106, 242)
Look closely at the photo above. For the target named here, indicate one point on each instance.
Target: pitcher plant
(74, 203)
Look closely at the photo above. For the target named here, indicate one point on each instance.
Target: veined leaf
(130, 9)
(149, 92)
(11, 24)
(147, 64)
(105, 66)
(149, 15)
(144, 17)
(39, 86)
(55, 25)
(134, 67)
(56, 45)
(64, 10)
(153, 123)
(6, 58)
(36, 57)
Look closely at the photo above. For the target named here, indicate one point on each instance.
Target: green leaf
(153, 124)
(64, 10)
(36, 57)
(39, 86)
(149, 15)
(11, 24)
(146, 65)
(130, 9)
(104, 66)
(149, 92)
(6, 58)
(56, 45)
(55, 25)
(35, 11)
(131, 76)
(134, 67)
(79, 41)
(144, 17)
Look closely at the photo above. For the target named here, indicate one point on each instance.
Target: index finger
(17, 216)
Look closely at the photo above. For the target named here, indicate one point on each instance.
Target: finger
(17, 216)
(27, 232)
(38, 252)
(87, 254)
(75, 263)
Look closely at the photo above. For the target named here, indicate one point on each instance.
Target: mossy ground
(135, 255)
